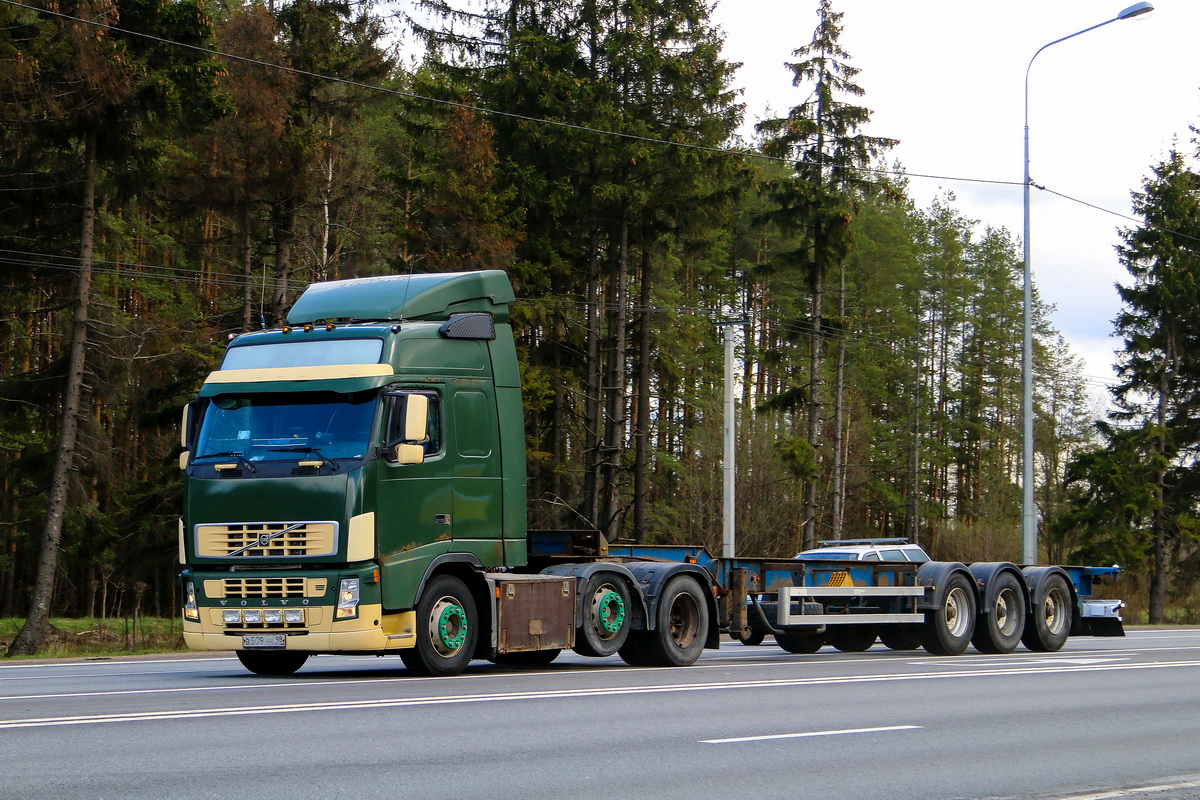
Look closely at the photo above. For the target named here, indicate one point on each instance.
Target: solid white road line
(810, 734)
(557, 694)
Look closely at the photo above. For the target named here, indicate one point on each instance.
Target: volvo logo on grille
(264, 539)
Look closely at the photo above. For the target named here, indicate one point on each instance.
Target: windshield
(265, 427)
(828, 555)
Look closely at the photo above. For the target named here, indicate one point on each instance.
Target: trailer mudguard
(652, 577)
(1037, 578)
(582, 572)
(985, 574)
(933, 575)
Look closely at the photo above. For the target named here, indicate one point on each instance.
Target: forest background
(172, 173)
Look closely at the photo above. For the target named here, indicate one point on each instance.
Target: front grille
(265, 588)
(266, 540)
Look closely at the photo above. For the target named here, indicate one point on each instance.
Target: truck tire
(1002, 620)
(682, 625)
(900, 637)
(800, 641)
(852, 638)
(266, 662)
(605, 617)
(754, 639)
(447, 628)
(947, 629)
(1050, 616)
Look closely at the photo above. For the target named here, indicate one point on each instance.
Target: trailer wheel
(900, 637)
(852, 638)
(280, 662)
(682, 617)
(1049, 622)
(1002, 622)
(447, 628)
(800, 641)
(605, 617)
(528, 658)
(947, 630)
(754, 639)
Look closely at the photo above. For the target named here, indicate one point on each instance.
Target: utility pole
(729, 472)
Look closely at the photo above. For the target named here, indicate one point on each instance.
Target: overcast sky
(946, 78)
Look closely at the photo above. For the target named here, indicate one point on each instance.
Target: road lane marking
(810, 734)
(1118, 793)
(559, 694)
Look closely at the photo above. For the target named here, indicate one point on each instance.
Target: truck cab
(332, 462)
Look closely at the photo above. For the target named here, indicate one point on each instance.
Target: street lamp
(1028, 510)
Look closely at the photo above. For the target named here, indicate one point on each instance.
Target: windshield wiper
(231, 454)
(332, 464)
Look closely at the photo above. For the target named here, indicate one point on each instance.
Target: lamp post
(1029, 550)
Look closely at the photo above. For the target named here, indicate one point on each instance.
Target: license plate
(262, 641)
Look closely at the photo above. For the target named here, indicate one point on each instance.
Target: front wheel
(947, 630)
(447, 628)
(682, 626)
(265, 662)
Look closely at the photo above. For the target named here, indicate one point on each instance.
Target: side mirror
(403, 446)
(185, 434)
(408, 454)
(416, 418)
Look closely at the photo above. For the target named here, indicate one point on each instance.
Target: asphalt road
(1103, 718)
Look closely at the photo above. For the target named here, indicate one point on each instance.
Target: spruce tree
(823, 137)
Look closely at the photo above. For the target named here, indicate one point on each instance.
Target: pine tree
(111, 98)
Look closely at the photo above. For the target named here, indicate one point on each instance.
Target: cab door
(414, 522)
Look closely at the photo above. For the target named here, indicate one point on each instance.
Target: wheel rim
(447, 626)
(958, 614)
(1006, 618)
(608, 611)
(685, 620)
(1053, 611)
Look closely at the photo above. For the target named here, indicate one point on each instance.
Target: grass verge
(91, 637)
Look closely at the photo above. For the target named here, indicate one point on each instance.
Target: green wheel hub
(451, 626)
(609, 608)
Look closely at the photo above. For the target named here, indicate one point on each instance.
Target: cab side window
(433, 425)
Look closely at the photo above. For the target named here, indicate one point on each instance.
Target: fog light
(252, 617)
(231, 616)
(347, 606)
(293, 615)
(272, 616)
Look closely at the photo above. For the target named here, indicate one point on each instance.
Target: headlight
(190, 610)
(347, 605)
(272, 616)
(291, 615)
(231, 616)
(252, 617)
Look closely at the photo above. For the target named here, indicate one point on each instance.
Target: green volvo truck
(355, 484)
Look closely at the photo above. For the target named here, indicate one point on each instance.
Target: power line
(489, 111)
(567, 125)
